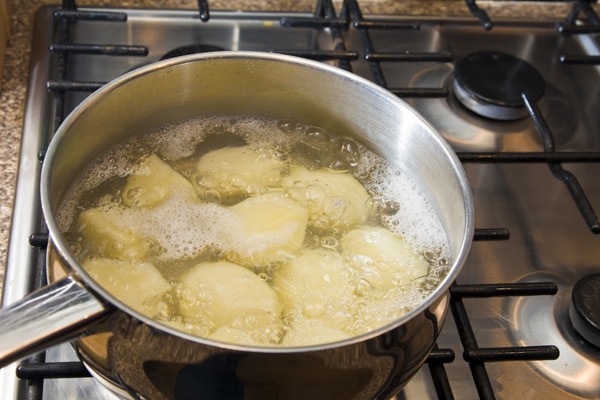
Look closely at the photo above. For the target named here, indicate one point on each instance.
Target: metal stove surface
(549, 239)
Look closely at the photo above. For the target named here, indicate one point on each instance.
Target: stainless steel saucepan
(148, 360)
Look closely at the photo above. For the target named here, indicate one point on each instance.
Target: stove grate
(477, 356)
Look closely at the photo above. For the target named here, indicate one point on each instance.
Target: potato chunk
(271, 228)
(385, 259)
(101, 231)
(154, 184)
(237, 171)
(224, 291)
(139, 285)
(232, 335)
(313, 282)
(334, 200)
(307, 332)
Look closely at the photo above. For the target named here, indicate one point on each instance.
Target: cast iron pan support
(483, 17)
(583, 204)
(203, 9)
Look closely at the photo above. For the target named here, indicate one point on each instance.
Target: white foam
(181, 228)
(178, 140)
(416, 220)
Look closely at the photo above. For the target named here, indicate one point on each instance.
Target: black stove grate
(34, 370)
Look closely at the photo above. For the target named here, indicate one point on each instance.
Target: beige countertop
(14, 80)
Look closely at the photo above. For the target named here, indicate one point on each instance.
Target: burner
(584, 311)
(490, 84)
(543, 320)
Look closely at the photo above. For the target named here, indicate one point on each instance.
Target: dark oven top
(533, 175)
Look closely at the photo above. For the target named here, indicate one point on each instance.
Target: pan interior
(270, 86)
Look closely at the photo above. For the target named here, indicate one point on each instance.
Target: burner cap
(584, 311)
(490, 84)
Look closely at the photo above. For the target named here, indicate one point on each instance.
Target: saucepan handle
(48, 316)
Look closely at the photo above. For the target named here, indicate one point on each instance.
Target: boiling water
(180, 239)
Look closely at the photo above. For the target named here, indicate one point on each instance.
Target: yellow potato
(156, 182)
(313, 282)
(386, 259)
(224, 291)
(307, 332)
(232, 335)
(101, 231)
(271, 228)
(334, 200)
(139, 285)
(235, 171)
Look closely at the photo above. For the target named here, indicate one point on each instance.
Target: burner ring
(490, 83)
(584, 311)
(541, 320)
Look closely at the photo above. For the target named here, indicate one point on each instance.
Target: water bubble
(75, 248)
(390, 207)
(430, 255)
(236, 181)
(334, 207)
(205, 181)
(321, 222)
(423, 283)
(116, 198)
(147, 244)
(274, 176)
(329, 242)
(289, 126)
(176, 318)
(134, 192)
(212, 196)
(315, 195)
(274, 333)
(362, 288)
(342, 319)
(348, 151)
(360, 326)
(316, 134)
(313, 309)
(362, 174)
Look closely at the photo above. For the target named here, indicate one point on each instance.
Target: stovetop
(508, 334)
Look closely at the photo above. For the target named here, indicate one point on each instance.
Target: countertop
(15, 77)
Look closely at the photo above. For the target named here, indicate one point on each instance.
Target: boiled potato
(313, 282)
(101, 231)
(334, 200)
(224, 291)
(386, 259)
(156, 182)
(237, 171)
(139, 285)
(232, 335)
(271, 228)
(306, 332)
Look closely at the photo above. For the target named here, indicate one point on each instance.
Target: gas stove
(514, 330)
